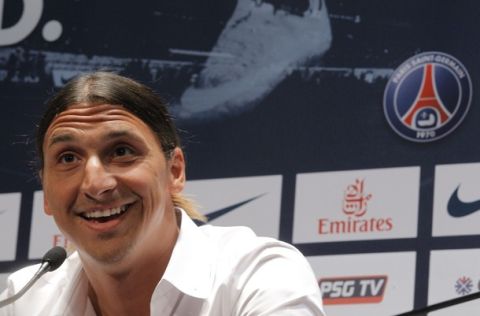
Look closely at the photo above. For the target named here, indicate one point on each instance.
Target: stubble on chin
(110, 255)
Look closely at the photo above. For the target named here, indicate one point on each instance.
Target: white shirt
(213, 271)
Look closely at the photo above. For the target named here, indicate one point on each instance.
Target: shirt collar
(190, 268)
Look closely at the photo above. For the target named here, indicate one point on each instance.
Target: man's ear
(46, 208)
(177, 171)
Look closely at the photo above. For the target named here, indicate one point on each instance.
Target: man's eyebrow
(60, 138)
(122, 133)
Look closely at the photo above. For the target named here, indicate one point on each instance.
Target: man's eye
(67, 158)
(122, 151)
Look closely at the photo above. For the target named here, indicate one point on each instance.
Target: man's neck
(127, 289)
(127, 295)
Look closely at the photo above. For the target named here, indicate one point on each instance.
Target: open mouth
(103, 216)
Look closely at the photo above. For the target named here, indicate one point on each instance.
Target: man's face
(108, 183)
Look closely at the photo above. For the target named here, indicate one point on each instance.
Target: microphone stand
(441, 305)
(44, 267)
(50, 262)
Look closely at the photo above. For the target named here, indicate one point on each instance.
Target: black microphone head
(55, 257)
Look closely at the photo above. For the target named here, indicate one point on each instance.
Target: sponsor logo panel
(427, 96)
(454, 273)
(356, 205)
(44, 232)
(247, 201)
(9, 220)
(366, 284)
(456, 206)
(353, 289)
(464, 285)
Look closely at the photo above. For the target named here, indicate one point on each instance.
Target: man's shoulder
(227, 233)
(52, 291)
(237, 242)
(236, 235)
(49, 282)
(259, 274)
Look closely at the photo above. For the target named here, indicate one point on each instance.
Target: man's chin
(108, 255)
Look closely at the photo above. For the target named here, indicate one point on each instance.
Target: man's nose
(97, 182)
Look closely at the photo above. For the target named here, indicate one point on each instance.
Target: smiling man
(112, 172)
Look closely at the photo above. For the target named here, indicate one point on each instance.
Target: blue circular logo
(427, 97)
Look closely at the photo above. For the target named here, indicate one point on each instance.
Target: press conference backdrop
(348, 128)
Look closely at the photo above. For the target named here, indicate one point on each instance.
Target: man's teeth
(106, 213)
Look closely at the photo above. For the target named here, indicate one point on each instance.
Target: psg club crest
(427, 97)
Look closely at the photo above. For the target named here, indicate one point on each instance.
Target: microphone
(430, 308)
(50, 262)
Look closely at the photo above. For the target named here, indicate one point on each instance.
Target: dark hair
(109, 88)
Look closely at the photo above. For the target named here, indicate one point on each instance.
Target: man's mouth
(105, 215)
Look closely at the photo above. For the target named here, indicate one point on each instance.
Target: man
(112, 173)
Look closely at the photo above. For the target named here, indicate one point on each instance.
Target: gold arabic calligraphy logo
(354, 200)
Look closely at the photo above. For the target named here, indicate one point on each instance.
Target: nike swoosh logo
(458, 208)
(216, 214)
